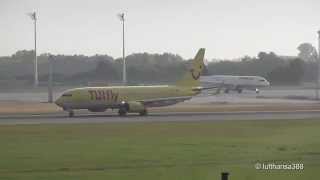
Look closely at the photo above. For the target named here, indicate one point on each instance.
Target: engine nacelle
(133, 106)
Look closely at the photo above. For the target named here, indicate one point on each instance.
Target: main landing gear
(143, 112)
(123, 112)
(71, 113)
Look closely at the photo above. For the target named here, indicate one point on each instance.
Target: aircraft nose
(268, 83)
(58, 102)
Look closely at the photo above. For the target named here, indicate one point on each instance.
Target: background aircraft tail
(192, 77)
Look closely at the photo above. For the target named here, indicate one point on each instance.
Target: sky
(227, 29)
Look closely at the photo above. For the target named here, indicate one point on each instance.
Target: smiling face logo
(195, 75)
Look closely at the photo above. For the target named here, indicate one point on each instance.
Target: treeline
(277, 69)
(79, 69)
(145, 68)
(141, 68)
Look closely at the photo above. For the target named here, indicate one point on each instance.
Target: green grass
(136, 151)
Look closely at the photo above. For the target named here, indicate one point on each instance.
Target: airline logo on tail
(191, 78)
(193, 72)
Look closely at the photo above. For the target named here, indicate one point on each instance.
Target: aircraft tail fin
(192, 77)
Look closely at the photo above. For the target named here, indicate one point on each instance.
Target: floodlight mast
(124, 69)
(318, 61)
(33, 16)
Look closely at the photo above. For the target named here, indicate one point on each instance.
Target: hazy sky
(226, 28)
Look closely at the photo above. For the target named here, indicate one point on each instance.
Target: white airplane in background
(236, 83)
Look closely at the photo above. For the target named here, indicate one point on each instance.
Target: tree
(307, 52)
(296, 70)
(290, 74)
(105, 70)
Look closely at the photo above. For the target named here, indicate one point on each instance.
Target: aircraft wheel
(239, 91)
(226, 91)
(71, 113)
(122, 112)
(143, 113)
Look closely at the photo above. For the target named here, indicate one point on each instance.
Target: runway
(59, 118)
(277, 94)
(232, 106)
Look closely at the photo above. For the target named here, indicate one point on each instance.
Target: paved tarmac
(273, 95)
(270, 94)
(61, 118)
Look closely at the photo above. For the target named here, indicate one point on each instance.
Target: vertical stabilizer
(192, 77)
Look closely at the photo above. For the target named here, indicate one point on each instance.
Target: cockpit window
(262, 80)
(66, 95)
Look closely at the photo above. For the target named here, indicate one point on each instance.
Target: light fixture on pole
(124, 73)
(33, 16)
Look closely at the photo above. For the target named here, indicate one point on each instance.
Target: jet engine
(133, 106)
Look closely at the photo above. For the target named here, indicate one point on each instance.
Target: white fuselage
(236, 83)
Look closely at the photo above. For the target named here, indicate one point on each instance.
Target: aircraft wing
(158, 102)
(218, 88)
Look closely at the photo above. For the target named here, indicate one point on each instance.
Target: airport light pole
(124, 69)
(318, 75)
(33, 16)
(50, 63)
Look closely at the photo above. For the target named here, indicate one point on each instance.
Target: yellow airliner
(134, 99)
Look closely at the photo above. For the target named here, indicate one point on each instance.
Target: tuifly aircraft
(134, 99)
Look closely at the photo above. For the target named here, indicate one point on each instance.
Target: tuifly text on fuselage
(103, 95)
